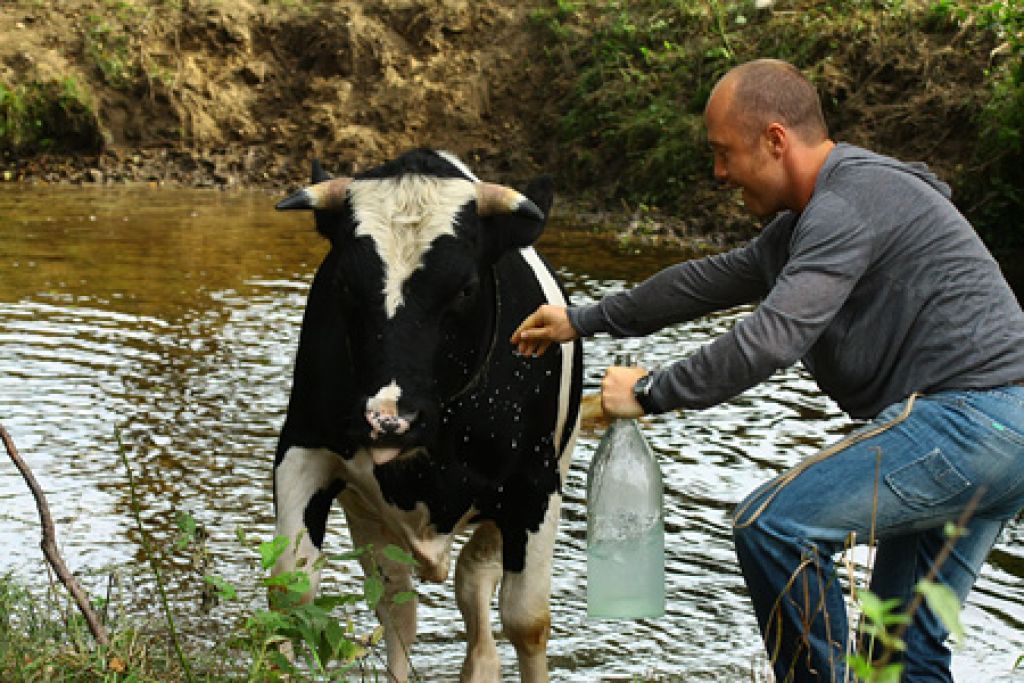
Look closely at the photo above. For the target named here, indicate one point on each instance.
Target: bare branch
(49, 544)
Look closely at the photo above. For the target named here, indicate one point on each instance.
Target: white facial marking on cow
(385, 401)
(403, 216)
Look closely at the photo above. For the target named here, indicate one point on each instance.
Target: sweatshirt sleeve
(829, 252)
(679, 293)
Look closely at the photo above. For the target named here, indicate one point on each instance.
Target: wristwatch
(642, 393)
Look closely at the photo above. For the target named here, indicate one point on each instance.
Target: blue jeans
(924, 466)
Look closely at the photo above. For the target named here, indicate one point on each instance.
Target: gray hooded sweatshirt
(879, 286)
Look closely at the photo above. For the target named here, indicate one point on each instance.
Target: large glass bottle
(625, 526)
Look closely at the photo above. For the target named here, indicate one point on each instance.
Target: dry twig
(49, 544)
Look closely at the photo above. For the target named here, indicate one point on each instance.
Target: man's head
(768, 135)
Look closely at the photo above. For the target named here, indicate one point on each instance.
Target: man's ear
(504, 231)
(777, 139)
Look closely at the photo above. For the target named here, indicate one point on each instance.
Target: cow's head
(408, 286)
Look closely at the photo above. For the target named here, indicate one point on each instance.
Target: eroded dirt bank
(245, 93)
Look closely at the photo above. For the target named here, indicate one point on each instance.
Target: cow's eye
(466, 293)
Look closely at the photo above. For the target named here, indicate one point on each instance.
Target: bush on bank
(938, 80)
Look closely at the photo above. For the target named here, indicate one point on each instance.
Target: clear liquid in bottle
(625, 527)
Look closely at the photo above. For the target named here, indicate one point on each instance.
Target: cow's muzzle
(385, 425)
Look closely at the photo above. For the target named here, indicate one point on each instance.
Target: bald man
(867, 274)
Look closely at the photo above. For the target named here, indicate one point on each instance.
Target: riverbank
(606, 98)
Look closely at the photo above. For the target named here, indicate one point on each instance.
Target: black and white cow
(410, 407)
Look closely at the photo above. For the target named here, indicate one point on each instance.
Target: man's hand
(617, 398)
(545, 326)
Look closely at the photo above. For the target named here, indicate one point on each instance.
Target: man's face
(743, 160)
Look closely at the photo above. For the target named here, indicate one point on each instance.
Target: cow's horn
(492, 198)
(327, 195)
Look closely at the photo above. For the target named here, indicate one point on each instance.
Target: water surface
(173, 316)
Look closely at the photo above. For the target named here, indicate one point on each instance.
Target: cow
(411, 409)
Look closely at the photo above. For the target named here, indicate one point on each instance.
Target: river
(173, 317)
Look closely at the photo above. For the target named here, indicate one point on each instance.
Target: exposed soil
(245, 93)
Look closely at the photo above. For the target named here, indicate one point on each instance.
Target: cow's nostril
(386, 424)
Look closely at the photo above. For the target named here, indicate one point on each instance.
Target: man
(868, 274)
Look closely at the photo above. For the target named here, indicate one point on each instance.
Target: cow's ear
(326, 196)
(327, 223)
(516, 229)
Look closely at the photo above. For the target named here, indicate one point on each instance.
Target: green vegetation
(108, 47)
(885, 622)
(995, 187)
(641, 71)
(55, 116)
(48, 641)
(45, 640)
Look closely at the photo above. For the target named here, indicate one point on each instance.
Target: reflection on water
(173, 316)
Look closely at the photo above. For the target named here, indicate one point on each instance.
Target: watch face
(643, 385)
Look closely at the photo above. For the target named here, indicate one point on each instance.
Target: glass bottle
(625, 525)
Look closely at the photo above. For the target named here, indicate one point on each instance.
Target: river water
(173, 316)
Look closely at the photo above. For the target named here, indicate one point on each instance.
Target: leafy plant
(48, 116)
(322, 640)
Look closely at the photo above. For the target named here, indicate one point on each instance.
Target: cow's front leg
(305, 484)
(524, 598)
(476, 576)
(399, 621)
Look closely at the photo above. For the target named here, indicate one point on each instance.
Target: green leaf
(281, 662)
(335, 640)
(373, 590)
(267, 620)
(888, 674)
(294, 582)
(186, 529)
(329, 602)
(225, 591)
(403, 597)
(943, 601)
(271, 551)
(953, 531)
(861, 667)
(396, 554)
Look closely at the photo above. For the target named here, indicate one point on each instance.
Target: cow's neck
(479, 341)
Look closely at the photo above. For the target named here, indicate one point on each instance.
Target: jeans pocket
(927, 481)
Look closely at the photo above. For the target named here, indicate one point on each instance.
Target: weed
(107, 46)
(55, 116)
